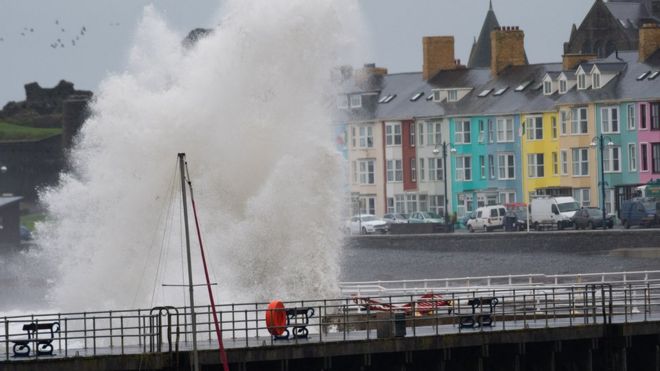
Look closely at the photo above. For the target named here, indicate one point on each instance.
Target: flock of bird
(63, 40)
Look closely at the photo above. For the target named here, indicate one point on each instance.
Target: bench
(300, 317)
(480, 319)
(39, 334)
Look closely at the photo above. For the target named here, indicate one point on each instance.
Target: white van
(487, 218)
(550, 212)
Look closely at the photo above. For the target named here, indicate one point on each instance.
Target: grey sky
(395, 29)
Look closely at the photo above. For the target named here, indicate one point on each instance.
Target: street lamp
(599, 141)
(436, 151)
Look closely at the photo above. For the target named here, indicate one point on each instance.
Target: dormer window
(356, 101)
(582, 81)
(342, 101)
(436, 95)
(562, 86)
(595, 80)
(547, 87)
(452, 95)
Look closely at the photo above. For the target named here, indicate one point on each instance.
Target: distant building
(10, 220)
(612, 25)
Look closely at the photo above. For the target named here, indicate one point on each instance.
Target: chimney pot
(507, 49)
(438, 55)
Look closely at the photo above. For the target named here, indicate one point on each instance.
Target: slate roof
(624, 86)
(628, 13)
(4, 201)
(481, 51)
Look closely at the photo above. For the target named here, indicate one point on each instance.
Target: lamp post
(3, 170)
(436, 151)
(599, 141)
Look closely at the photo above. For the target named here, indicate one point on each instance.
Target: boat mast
(182, 160)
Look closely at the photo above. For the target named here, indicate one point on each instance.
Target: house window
(579, 123)
(655, 160)
(644, 156)
(609, 117)
(609, 198)
(482, 166)
(564, 122)
(642, 116)
(655, 116)
(353, 136)
(422, 170)
(366, 137)
(582, 196)
(553, 127)
(354, 168)
(411, 203)
(612, 160)
(413, 169)
(411, 136)
(356, 101)
(464, 168)
(433, 133)
(506, 166)
(491, 131)
(491, 166)
(368, 205)
(436, 95)
(580, 161)
(423, 202)
(390, 205)
(631, 117)
(555, 164)
(437, 204)
(394, 171)
(562, 86)
(393, 134)
(547, 87)
(421, 134)
(534, 128)
(564, 162)
(482, 131)
(342, 101)
(595, 80)
(462, 135)
(632, 157)
(439, 168)
(535, 165)
(366, 171)
(505, 130)
(582, 81)
(400, 203)
(452, 95)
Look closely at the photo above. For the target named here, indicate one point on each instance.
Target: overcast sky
(37, 36)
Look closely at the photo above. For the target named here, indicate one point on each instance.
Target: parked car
(518, 219)
(395, 218)
(591, 217)
(366, 224)
(487, 218)
(426, 217)
(467, 217)
(552, 212)
(639, 211)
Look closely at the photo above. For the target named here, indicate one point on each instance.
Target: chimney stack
(370, 77)
(571, 61)
(649, 40)
(438, 55)
(507, 48)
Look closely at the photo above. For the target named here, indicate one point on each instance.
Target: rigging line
(151, 245)
(162, 257)
(223, 355)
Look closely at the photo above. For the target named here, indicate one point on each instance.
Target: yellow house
(540, 155)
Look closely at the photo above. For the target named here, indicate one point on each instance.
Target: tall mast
(182, 160)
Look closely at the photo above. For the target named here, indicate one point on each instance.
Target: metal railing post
(66, 338)
(139, 328)
(111, 342)
(246, 328)
(85, 329)
(7, 339)
(94, 334)
(121, 331)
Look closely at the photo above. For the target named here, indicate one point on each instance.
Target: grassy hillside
(19, 132)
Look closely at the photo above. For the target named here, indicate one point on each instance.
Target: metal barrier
(355, 318)
(488, 282)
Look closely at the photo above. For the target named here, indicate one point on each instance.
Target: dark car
(591, 217)
(517, 219)
(639, 211)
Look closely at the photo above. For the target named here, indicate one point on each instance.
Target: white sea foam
(250, 105)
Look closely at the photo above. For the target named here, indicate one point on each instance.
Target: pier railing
(169, 329)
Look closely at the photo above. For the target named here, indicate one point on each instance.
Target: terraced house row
(505, 130)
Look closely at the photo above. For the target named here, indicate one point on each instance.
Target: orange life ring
(276, 318)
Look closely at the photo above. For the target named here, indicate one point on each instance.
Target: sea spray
(251, 105)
